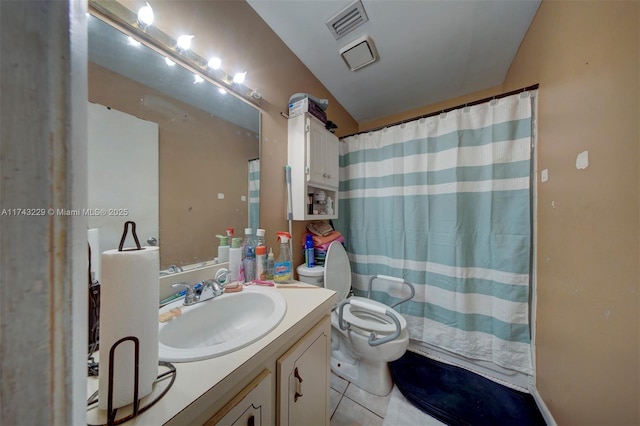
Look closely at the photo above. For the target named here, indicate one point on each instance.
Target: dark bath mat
(456, 396)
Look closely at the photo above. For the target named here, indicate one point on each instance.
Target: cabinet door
(315, 139)
(332, 155)
(251, 407)
(303, 379)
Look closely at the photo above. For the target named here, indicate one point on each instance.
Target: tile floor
(350, 405)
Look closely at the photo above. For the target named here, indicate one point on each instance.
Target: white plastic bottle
(235, 260)
(223, 248)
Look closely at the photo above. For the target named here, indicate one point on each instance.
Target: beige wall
(585, 56)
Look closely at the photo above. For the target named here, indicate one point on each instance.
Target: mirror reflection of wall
(122, 177)
(206, 141)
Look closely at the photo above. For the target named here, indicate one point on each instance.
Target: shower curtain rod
(431, 114)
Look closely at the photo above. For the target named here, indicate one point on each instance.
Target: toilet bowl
(365, 334)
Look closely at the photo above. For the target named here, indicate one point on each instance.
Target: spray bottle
(282, 266)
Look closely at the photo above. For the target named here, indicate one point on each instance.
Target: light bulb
(184, 42)
(215, 63)
(197, 79)
(145, 16)
(133, 42)
(169, 62)
(239, 77)
(255, 94)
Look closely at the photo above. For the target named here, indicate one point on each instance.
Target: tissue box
(307, 105)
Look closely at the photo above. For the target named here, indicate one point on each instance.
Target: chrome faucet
(208, 290)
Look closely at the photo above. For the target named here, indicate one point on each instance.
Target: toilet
(366, 334)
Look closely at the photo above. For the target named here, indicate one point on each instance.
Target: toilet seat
(337, 271)
(369, 320)
(337, 277)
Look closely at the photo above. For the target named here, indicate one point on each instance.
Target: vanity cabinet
(251, 407)
(303, 375)
(313, 155)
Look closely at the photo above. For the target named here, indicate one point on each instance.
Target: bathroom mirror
(208, 145)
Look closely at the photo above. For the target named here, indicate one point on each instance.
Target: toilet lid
(337, 270)
(372, 321)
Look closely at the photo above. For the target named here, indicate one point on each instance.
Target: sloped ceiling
(430, 50)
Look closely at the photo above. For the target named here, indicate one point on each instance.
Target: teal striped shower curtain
(254, 194)
(446, 203)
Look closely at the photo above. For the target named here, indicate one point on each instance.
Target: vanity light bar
(130, 23)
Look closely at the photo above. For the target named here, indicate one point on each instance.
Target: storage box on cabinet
(313, 156)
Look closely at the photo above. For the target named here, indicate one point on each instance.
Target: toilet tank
(313, 275)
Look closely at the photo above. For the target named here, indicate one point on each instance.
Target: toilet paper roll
(129, 295)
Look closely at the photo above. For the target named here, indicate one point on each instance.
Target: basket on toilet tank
(313, 275)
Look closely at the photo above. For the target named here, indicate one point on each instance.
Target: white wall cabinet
(313, 156)
(303, 375)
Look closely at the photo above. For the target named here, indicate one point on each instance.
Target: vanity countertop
(198, 384)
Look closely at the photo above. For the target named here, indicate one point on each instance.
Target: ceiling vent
(359, 53)
(347, 20)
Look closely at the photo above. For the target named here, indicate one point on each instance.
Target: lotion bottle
(223, 248)
(235, 259)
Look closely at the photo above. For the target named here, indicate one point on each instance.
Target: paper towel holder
(111, 412)
(124, 237)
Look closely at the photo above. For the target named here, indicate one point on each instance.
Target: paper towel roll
(93, 236)
(129, 295)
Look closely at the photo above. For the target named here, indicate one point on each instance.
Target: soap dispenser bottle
(282, 266)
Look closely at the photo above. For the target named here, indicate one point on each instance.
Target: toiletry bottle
(249, 263)
(235, 259)
(223, 248)
(282, 266)
(261, 250)
(269, 273)
(261, 262)
(246, 243)
(309, 251)
(260, 237)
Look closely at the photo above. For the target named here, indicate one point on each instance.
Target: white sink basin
(221, 325)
